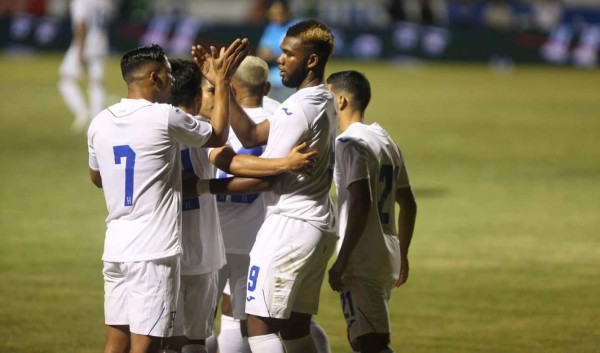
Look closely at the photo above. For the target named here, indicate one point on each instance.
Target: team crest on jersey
(286, 111)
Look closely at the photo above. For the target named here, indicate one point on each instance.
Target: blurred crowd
(543, 15)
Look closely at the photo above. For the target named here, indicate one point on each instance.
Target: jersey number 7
(124, 151)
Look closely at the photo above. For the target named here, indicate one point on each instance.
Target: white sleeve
(352, 157)
(403, 179)
(287, 128)
(188, 130)
(92, 160)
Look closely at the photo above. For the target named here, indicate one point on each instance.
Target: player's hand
(188, 185)
(404, 269)
(220, 64)
(335, 276)
(302, 161)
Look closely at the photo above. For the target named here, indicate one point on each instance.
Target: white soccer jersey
(309, 115)
(368, 152)
(203, 249)
(95, 15)
(241, 215)
(134, 146)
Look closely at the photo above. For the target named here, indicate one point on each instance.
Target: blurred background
(502, 32)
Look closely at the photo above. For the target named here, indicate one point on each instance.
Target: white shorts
(71, 65)
(196, 305)
(287, 266)
(365, 305)
(142, 295)
(236, 272)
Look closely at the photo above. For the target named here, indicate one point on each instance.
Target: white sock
(230, 337)
(319, 337)
(300, 345)
(245, 345)
(212, 346)
(96, 92)
(71, 93)
(194, 348)
(266, 344)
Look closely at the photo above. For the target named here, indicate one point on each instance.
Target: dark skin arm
(96, 178)
(218, 68)
(406, 225)
(226, 186)
(227, 160)
(249, 133)
(358, 212)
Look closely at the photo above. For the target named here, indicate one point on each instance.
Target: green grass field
(505, 166)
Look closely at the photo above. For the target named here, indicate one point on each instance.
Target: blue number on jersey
(347, 307)
(247, 198)
(253, 278)
(124, 151)
(192, 203)
(386, 175)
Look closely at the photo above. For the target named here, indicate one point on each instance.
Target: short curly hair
(314, 34)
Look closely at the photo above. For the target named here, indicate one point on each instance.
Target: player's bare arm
(193, 187)
(298, 161)
(96, 178)
(406, 225)
(218, 68)
(248, 132)
(358, 212)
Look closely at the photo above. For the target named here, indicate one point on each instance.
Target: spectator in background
(547, 14)
(87, 54)
(498, 14)
(280, 19)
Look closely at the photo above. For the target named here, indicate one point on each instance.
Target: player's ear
(154, 77)
(342, 102)
(312, 61)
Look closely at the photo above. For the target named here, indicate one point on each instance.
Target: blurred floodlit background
(501, 32)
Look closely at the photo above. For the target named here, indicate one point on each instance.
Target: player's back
(309, 116)
(132, 144)
(242, 215)
(369, 147)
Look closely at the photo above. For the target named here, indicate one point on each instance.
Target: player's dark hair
(314, 34)
(139, 57)
(355, 83)
(188, 80)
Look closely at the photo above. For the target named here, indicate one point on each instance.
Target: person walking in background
(370, 178)
(280, 19)
(86, 55)
(300, 224)
(134, 157)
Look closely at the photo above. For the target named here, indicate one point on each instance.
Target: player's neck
(311, 80)
(250, 102)
(349, 118)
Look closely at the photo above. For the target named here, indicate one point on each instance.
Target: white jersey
(203, 249)
(134, 146)
(241, 215)
(270, 105)
(368, 152)
(309, 115)
(95, 15)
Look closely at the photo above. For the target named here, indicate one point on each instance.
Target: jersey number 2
(387, 174)
(124, 151)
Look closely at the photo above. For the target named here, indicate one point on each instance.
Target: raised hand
(221, 64)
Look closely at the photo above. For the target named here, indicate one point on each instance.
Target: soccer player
(202, 242)
(134, 157)
(289, 258)
(87, 53)
(370, 177)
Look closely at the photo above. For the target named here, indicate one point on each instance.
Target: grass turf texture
(505, 256)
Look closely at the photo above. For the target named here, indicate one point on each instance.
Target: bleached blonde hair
(252, 72)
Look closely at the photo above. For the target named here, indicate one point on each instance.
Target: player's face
(208, 99)
(164, 82)
(292, 62)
